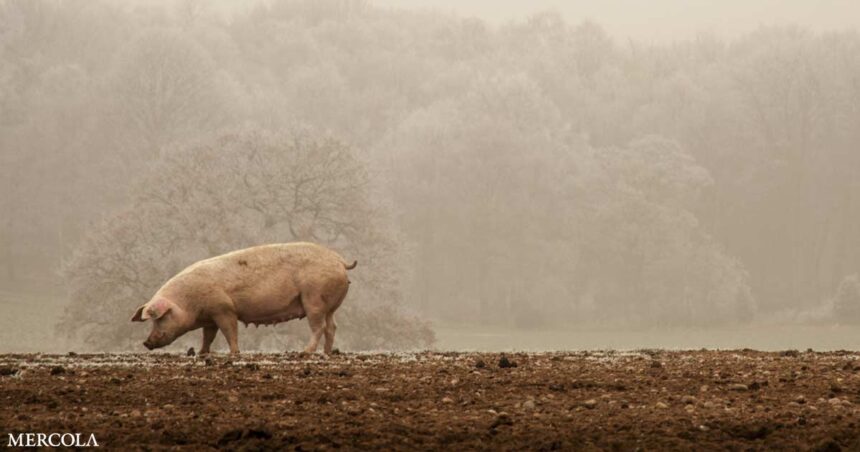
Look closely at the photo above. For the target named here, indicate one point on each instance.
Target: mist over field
(507, 177)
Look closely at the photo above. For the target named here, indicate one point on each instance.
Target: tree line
(531, 174)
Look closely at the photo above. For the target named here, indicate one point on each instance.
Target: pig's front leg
(229, 326)
(209, 333)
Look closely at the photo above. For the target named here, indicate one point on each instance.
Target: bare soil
(650, 400)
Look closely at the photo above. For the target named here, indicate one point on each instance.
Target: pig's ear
(138, 315)
(156, 309)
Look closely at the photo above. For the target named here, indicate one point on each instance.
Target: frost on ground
(606, 399)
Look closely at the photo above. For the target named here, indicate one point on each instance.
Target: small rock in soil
(58, 370)
(590, 404)
(529, 404)
(751, 432)
(190, 352)
(501, 419)
(829, 446)
(505, 363)
(243, 434)
(739, 387)
(480, 364)
(8, 371)
(756, 385)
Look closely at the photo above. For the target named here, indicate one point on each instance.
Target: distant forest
(532, 174)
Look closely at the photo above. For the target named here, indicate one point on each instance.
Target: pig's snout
(156, 340)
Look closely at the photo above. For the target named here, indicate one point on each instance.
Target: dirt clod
(243, 434)
(751, 432)
(505, 363)
(829, 446)
(501, 419)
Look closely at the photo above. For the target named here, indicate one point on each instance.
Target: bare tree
(238, 189)
(166, 88)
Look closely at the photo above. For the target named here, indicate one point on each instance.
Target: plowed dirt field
(646, 400)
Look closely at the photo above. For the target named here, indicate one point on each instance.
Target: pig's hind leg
(330, 328)
(315, 310)
(330, 324)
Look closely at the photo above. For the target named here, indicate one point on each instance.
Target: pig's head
(169, 321)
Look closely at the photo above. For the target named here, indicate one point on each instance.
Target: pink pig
(261, 285)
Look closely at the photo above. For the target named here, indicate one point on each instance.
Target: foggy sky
(661, 20)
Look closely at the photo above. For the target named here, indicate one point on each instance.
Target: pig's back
(261, 274)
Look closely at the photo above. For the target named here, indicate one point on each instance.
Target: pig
(262, 285)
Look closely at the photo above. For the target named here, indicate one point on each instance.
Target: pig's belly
(267, 312)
